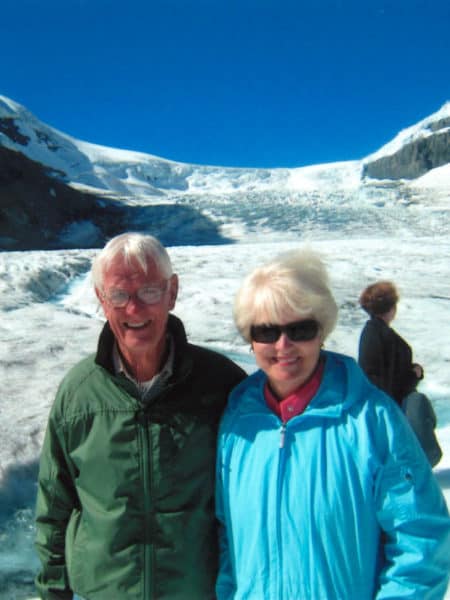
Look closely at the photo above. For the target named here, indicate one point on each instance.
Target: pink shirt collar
(295, 403)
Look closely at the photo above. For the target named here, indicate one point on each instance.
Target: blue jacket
(337, 503)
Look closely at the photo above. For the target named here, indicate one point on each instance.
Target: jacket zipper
(145, 435)
(279, 536)
(282, 434)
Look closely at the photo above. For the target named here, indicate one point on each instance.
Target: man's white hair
(131, 247)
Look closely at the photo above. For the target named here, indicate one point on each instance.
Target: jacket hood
(343, 385)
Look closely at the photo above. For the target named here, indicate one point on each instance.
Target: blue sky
(250, 83)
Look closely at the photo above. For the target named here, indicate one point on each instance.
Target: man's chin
(138, 343)
(140, 340)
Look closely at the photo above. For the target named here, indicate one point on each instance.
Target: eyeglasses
(147, 295)
(298, 331)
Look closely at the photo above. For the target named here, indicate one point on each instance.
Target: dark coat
(386, 359)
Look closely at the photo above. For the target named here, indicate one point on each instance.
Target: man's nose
(134, 304)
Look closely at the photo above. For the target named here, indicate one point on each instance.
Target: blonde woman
(322, 489)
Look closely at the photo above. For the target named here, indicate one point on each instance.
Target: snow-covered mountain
(123, 173)
(414, 151)
(60, 192)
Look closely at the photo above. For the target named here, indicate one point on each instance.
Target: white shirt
(157, 382)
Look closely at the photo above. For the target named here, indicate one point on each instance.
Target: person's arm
(56, 499)
(226, 585)
(413, 515)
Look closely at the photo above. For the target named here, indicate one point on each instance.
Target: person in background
(383, 355)
(387, 360)
(322, 490)
(125, 504)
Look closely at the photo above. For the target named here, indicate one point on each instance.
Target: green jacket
(125, 506)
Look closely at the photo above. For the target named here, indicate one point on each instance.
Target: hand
(418, 370)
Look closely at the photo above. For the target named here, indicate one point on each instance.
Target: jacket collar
(342, 385)
(104, 356)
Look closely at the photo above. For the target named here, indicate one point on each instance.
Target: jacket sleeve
(371, 357)
(56, 499)
(226, 585)
(412, 513)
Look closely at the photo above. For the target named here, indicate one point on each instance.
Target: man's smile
(137, 325)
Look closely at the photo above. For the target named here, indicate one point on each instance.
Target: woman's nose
(283, 341)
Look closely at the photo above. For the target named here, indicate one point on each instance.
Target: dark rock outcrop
(416, 158)
(9, 128)
(39, 211)
(36, 209)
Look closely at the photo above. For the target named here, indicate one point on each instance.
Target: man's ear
(173, 290)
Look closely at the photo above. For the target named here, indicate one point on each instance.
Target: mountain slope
(59, 192)
(414, 151)
(37, 210)
(124, 173)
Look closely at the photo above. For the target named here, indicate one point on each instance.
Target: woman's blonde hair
(294, 282)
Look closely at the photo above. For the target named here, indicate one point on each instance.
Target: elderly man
(125, 506)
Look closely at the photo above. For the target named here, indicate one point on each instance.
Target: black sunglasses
(298, 331)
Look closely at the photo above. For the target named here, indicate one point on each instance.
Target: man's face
(139, 328)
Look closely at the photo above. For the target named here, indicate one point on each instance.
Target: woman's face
(389, 316)
(287, 364)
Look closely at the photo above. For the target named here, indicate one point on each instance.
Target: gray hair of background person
(378, 298)
(295, 281)
(131, 247)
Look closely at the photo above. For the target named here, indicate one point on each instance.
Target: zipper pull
(141, 417)
(282, 434)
